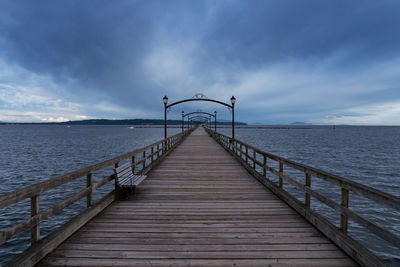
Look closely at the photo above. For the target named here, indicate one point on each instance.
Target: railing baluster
(308, 184)
(345, 203)
(133, 164)
(89, 195)
(280, 175)
(254, 159)
(35, 209)
(144, 160)
(265, 166)
(116, 165)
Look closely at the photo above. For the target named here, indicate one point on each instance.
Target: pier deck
(199, 207)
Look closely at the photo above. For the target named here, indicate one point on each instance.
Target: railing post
(152, 155)
(254, 159)
(35, 209)
(133, 164)
(144, 160)
(307, 195)
(247, 154)
(116, 166)
(89, 195)
(345, 203)
(265, 166)
(241, 151)
(280, 175)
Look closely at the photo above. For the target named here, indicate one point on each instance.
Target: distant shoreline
(131, 122)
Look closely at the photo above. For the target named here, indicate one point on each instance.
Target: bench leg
(123, 193)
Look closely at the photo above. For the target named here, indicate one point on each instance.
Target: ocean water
(368, 155)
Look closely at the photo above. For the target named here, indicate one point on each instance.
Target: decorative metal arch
(199, 97)
(198, 112)
(197, 117)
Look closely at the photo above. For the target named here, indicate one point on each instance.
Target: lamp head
(233, 100)
(165, 100)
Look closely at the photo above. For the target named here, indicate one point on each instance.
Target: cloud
(284, 60)
(376, 114)
(51, 119)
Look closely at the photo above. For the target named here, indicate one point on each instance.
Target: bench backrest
(123, 171)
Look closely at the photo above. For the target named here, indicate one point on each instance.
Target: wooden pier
(208, 200)
(199, 207)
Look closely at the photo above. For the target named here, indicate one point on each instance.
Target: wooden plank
(133, 254)
(196, 240)
(54, 261)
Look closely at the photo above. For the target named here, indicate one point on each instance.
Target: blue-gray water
(29, 154)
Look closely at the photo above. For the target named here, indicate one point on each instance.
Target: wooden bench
(126, 181)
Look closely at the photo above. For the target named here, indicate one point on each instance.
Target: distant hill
(132, 122)
(120, 122)
(300, 123)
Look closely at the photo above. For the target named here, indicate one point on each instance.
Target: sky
(320, 62)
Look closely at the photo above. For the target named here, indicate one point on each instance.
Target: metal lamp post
(165, 100)
(183, 114)
(215, 121)
(233, 101)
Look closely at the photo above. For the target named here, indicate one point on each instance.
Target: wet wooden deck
(199, 207)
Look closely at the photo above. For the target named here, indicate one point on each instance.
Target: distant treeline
(120, 122)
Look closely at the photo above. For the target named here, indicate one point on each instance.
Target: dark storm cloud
(263, 32)
(105, 46)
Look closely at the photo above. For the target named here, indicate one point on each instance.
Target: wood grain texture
(199, 207)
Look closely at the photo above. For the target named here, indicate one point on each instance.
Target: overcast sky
(322, 62)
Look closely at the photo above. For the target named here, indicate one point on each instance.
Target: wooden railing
(257, 162)
(142, 160)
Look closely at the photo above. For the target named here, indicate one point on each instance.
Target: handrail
(144, 158)
(247, 155)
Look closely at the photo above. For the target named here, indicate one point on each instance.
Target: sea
(369, 155)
